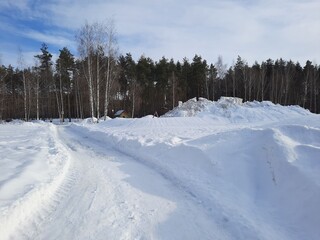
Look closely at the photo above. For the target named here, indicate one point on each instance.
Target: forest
(101, 81)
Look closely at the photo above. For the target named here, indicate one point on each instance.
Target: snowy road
(107, 195)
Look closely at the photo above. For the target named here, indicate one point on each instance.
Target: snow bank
(257, 180)
(228, 109)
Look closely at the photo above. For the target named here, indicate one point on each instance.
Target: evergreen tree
(214, 82)
(146, 80)
(185, 79)
(64, 74)
(46, 86)
(197, 84)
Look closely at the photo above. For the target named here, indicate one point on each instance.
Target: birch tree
(221, 71)
(3, 74)
(316, 86)
(85, 38)
(111, 56)
(21, 65)
(36, 80)
(96, 41)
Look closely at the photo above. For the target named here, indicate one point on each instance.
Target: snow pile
(228, 109)
(257, 181)
(89, 120)
(189, 109)
(228, 101)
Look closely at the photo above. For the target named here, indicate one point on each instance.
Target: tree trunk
(58, 103)
(98, 87)
(61, 96)
(213, 80)
(69, 112)
(106, 99)
(37, 100)
(90, 82)
(173, 95)
(305, 89)
(133, 102)
(29, 100)
(25, 96)
(234, 83)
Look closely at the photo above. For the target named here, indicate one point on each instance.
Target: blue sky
(255, 30)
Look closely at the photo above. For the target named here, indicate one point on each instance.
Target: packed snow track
(108, 195)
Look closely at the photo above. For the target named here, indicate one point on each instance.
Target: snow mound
(12, 121)
(229, 109)
(251, 179)
(190, 108)
(89, 120)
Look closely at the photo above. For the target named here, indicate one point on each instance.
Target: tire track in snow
(116, 197)
(24, 217)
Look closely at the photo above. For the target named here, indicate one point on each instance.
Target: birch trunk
(106, 100)
(98, 87)
(61, 96)
(25, 96)
(37, 100)
(90, 88)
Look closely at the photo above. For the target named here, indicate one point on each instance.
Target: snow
(205, 170)
(233, 110)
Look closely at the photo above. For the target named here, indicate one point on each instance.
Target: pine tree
(64, 68)
(45, 86)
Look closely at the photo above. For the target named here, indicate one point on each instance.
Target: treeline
(101, 82)
(144, 86)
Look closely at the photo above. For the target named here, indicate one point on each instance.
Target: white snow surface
(205, 170)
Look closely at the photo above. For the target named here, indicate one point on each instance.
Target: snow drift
(252, 166)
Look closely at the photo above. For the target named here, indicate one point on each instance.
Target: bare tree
(98, 40)
(315, 86)
(111, 56)
(61, 97)
(221, 71)
(3, 74)
(262, 79)
(37, 87)
(99, 54)
(21, 65)
(100, 46)
(85, 38)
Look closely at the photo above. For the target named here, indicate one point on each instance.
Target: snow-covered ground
(205, 170)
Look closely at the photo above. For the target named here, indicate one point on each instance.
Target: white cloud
(53, 38)
(11, 57)
(19, 4)
(255, 30)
